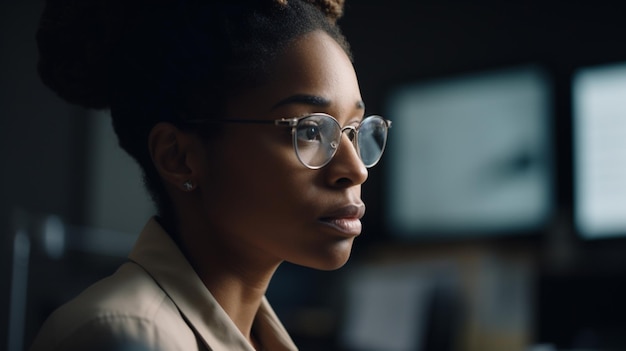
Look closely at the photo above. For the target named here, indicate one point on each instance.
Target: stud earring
(188, 185)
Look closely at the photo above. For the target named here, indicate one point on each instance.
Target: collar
(159, 255)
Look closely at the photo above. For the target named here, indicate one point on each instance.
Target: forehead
(313, 64)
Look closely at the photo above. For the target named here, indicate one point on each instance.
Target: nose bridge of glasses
(350, 131)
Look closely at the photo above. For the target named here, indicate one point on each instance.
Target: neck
(239, 291)
(237, 279)
(240, 300)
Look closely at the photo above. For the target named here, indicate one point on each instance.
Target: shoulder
(126, 311)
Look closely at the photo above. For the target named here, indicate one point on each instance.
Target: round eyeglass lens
(316, 140)
(371, 139)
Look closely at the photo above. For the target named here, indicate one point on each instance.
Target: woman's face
(260, 201)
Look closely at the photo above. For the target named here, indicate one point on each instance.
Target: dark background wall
(394, 42)
(40, 137)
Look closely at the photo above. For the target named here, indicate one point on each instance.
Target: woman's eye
(309, 133)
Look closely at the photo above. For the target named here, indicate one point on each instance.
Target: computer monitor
(599, 116)
(470, 155)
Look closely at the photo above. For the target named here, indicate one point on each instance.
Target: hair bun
(75, 38)
(333, 9)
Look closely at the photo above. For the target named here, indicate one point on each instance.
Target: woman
(226, 106)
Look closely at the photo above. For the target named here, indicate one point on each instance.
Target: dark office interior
(521, 261)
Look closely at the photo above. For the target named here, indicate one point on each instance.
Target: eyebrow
(312, 100)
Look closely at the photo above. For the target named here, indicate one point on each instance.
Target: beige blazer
(154, 302)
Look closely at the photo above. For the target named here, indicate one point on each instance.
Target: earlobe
(188, 185)
(171, 149)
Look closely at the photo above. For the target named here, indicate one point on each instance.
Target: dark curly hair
(149, 61)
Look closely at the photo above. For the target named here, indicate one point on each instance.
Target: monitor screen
(470, 155)
(599, 113)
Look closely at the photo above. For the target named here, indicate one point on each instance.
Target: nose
(346, 168)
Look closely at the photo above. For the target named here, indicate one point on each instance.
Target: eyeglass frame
(293, 123)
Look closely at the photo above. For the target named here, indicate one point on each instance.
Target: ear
(172, 152)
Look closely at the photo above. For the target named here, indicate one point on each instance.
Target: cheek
(257, 176)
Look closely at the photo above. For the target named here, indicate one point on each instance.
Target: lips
(345, 219)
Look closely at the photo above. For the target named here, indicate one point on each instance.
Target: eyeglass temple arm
(287, 122)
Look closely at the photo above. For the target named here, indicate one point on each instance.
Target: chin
(329, 259)
(331, 267)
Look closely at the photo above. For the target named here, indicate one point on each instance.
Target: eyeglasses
(316, 137)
